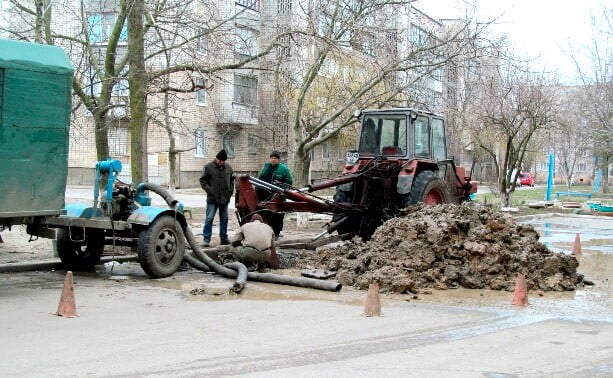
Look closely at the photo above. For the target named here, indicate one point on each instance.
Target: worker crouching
(254, 244)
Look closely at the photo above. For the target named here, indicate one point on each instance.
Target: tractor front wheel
(80, 248)
(161, 247)
(349, 226)
(429, 189)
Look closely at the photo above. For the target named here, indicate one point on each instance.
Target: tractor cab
(401, 134)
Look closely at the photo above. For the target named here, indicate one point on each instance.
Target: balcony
(253, 5)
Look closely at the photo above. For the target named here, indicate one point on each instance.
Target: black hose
(241, 279)
(226, 272)
(194, 262)
(162, 192)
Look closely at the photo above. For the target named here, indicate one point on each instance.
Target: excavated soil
(447, 246)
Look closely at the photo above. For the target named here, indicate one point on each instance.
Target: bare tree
(594, 65)
(351, 55)
(515, 105)
(571, 137)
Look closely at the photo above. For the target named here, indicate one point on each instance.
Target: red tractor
(401, 160)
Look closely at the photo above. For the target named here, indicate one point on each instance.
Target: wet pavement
(131, 325)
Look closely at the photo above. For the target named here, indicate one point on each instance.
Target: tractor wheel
(161, 247)
(343, 196)
(79, 251)
(429, 189)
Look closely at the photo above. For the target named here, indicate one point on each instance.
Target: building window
(245, 90)
(118, 141)
(101, 25)
(581, 167)
(368, 46)
(254, 5)
(246, 42)
(200, 143)
(543, 167)
(253, 143)
(325, 151)
(121, 88)
(438, 74)
(418, 36)
(202, 44)
(284, 6)
(391, 40)
(201, 93)
(284, 46)
(227, 143)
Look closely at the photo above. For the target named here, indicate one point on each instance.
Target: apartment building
(241, 109)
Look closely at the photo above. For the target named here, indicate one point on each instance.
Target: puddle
(587, 303)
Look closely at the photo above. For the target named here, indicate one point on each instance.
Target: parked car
(525, 178)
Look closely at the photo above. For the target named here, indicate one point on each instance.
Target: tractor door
(439, 154)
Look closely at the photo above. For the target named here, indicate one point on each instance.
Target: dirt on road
(447, 246)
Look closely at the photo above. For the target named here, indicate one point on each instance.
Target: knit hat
(275, 154)
(222, 155)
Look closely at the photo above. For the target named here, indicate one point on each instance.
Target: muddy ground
(429, 248)
(446, 247)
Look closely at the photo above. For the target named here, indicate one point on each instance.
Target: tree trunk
(505, 198)
(172, 162)
(138, 91)
(302, 167)
(605, 172)
(101, 135)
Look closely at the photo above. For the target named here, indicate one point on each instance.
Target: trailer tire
(161, 247)
(80, 255)
(429, 189)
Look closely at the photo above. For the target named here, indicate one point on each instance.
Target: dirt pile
(448, 246)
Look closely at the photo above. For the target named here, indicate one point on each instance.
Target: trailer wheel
(79, 251)
(429, 189)
(161, 247)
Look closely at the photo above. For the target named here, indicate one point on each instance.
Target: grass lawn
(522, 197)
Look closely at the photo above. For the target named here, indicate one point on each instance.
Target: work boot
(225, 242)
(206, 244)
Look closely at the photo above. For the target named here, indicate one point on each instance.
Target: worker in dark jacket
(274, 171)
(216, 180)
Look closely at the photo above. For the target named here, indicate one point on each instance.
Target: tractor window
(422, 137)
(438, 139)
(384, 135)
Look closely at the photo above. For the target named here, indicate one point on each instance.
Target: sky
(538, 29)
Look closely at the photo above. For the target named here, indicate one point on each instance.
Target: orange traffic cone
(373, 304)
(577, 246)
(67, 307)
(520, 296)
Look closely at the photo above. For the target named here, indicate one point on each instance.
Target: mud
(446, 246)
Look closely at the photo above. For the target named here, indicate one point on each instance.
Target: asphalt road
(130, 326)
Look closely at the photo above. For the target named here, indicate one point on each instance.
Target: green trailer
(35, 105)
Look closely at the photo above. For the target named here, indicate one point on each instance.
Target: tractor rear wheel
(343, 196)
(80, 248)
(429, 189)
(161, 247)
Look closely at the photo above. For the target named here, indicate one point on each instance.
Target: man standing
(273, 171)
(216, 180)
(254, 243)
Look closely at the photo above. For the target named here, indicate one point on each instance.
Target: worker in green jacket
(274, 171)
